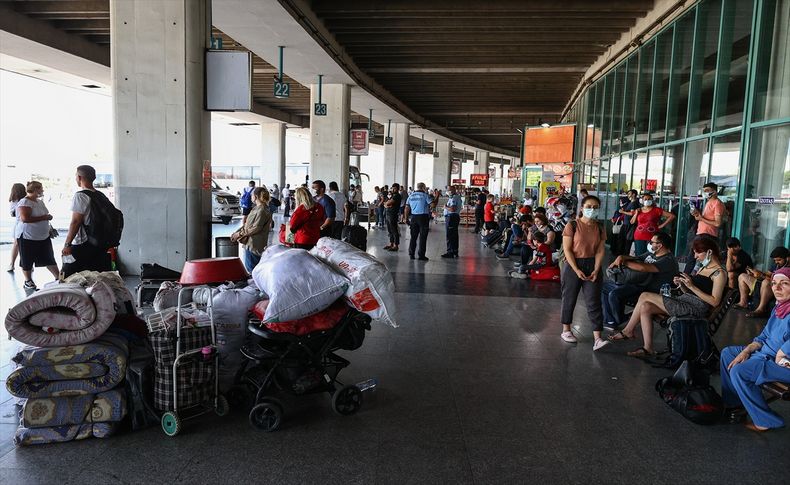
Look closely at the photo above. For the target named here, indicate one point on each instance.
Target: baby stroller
(284, 364)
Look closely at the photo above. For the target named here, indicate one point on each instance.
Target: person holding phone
(708, 221)
(766, 359)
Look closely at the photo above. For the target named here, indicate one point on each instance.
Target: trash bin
(225, 248)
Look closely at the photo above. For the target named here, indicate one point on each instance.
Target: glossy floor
(474, 387)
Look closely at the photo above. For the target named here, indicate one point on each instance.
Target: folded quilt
(70, 371)
(59, 434)
(46, 412)
(70, 314)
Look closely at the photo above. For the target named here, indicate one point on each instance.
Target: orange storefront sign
(549, 145)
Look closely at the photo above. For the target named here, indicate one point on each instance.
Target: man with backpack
(95, 227)
(246, 201)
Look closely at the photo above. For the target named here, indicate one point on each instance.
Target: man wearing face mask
(319, 195)
(452, 219)
(708, 221)
(658, 261)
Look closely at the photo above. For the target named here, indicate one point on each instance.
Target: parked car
(224, 205)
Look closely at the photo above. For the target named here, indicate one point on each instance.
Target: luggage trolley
(171, 419)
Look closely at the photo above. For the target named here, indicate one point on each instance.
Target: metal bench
(777, 391)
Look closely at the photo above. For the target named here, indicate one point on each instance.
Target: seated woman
(518, 236)
(744, 369)
(701, 293)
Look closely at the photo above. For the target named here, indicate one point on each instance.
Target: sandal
(738, 306)
(762, 314)
(641, 353)
(619, 335)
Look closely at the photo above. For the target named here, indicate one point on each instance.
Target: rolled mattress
(74, 315)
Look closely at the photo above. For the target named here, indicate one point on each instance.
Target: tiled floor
(474, 387)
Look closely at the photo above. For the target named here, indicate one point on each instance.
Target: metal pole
(280, 73)
(320, 78)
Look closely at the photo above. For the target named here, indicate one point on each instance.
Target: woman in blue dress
(766, 359)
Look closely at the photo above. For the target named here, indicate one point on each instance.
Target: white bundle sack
(297, 285)
(230, 308)
(273, 251)
(372, 290)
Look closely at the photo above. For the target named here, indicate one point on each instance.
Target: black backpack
(106, 225)
(688, 340)
(689, 392)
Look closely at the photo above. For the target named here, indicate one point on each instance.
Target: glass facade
(706, 99)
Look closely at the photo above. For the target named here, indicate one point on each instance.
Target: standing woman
(35, 248)
(648, 222)
(583, 246)
(17, 194)
(630, 208)
(255, 232)
(306, 220)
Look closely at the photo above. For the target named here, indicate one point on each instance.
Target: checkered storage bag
(195, 376)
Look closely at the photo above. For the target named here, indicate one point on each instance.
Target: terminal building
(196, 98)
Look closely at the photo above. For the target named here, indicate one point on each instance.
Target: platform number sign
(435, 154)
(388, 140)
(281, 89)
(319, 109)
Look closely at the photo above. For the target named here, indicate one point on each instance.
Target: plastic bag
(297, 285)
(231, 307)
(372, 290)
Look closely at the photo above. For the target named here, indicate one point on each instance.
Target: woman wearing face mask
(700, 293)
(648, 222)
(35, 248)
(583, 246)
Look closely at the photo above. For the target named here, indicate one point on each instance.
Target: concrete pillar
(441, 165)
(356, 161)
(412, 169)
(329, 135)
(162, 134)
(396, 155)
(273, 156)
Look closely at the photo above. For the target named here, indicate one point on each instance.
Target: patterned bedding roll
(77, 315)
(59, 434)
(44, 412)
(70, 371)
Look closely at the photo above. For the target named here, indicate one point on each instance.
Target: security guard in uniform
(418, 207)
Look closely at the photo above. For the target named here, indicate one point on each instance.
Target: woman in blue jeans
(766, 359)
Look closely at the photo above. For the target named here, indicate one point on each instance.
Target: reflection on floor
(474, 387)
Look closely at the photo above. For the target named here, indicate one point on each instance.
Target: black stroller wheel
(347, 400)
(266, 416)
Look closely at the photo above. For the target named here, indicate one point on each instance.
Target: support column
(356, 161)
(329, 135)
(396, 155)
(412, 169)
(162, 134)
(273, 156)
(441, 165)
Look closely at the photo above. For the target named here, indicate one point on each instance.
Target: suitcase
(492, 238)
(357, 236)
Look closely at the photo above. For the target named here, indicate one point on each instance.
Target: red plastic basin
(212, 270)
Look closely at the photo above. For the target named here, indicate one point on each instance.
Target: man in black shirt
(736, 260)
(480, 203)
(392, 209)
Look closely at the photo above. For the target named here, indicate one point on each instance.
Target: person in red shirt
(648, 222)
(540, 259)
(306, 220)
(488, 216)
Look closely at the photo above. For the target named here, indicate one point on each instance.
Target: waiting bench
(777, 391)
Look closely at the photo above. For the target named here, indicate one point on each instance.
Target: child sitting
(540, 259)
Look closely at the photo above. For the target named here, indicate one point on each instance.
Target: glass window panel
(724, 167)
(768, 175)
(704, 72)
(658, 111)
(655, 167)
(221, 172)
(617, 107)
(640, 172)
(588, 137)
(256, 173)
(602, 189)
(643, 94)
(695, 173)
(670, 197)
(772, 82)
(606, 122)
(629, 105)
(599, 91)
(733, 63)
(681, 76)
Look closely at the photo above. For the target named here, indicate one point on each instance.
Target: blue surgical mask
(647, 202)
(705, 261)
(590, 213)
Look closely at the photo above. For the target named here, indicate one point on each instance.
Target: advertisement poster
(478, 180)
(548, 189)
(359, 142)
(455, 167)
(532, 176)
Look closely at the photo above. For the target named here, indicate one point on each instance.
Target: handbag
(53, 233)
(617, 226)
(689, 393)
(627, 276)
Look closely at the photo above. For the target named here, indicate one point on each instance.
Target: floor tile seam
(463, 430)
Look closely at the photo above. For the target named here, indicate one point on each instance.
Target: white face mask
(650, 248)
(647, 202)
(705, 261)
(707, 195)
(590, 213)
(313, 192)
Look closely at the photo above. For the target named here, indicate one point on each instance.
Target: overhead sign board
(765, 200)
(281, 89)
(459, 181)
(228, 81)
(359, 142)
(319, 109)
(478, 180)
(388, 140)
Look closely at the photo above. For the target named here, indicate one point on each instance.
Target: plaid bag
(195, 377)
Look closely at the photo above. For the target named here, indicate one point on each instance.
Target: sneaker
(518, 276)
(423, 258)
(498, 251)
(502, 257)
(29, 285)
(516, 265)
(599, 344)
(568, 337)
(10, 269)
(447, 255)
(611, 326)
